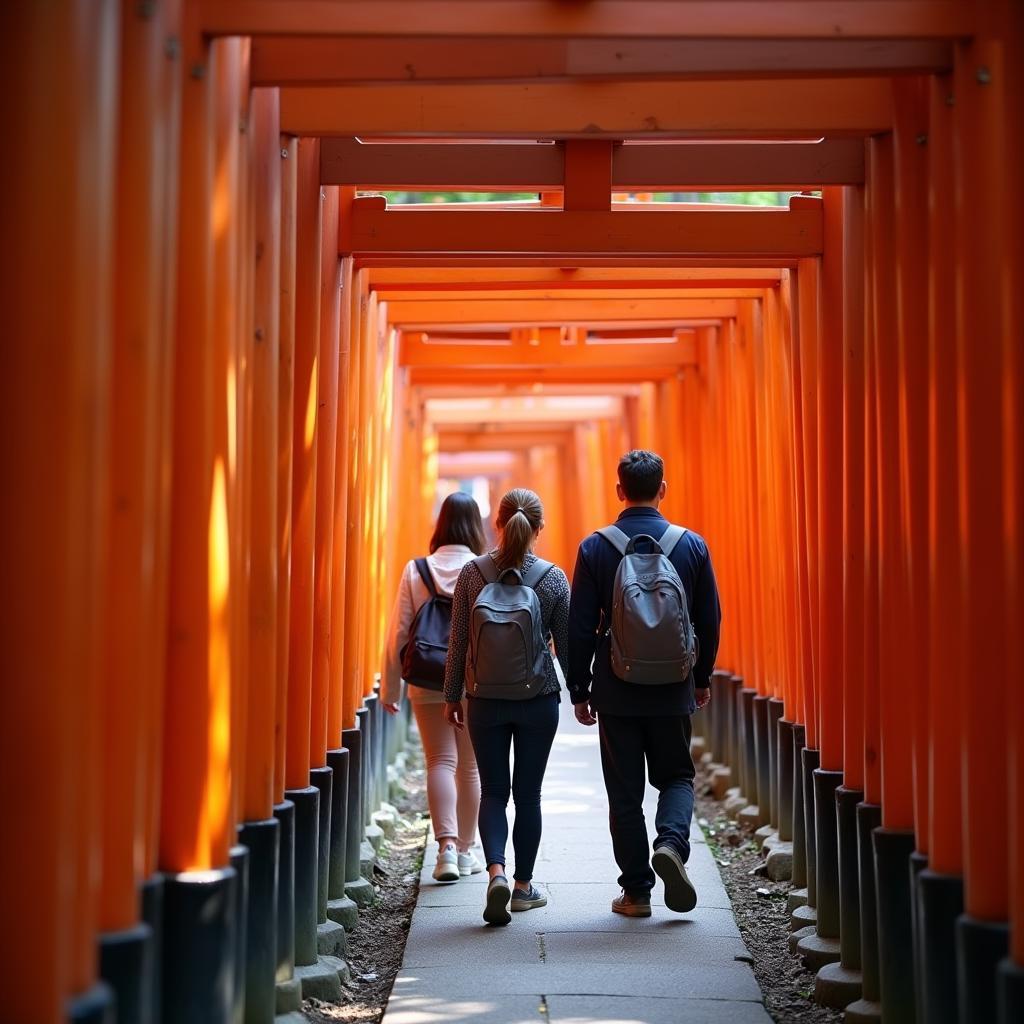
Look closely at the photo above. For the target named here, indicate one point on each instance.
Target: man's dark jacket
(590, 609)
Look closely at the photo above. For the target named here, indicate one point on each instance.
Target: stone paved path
(574, 961)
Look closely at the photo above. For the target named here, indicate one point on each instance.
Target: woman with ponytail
(497, 725)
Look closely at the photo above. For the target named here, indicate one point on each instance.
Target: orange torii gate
(216, 431)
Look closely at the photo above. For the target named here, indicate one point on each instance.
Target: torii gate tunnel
(234, 376)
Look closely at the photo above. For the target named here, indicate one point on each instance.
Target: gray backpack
(508, 654)
(653, 641)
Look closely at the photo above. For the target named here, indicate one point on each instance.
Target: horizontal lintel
(776, 234)
(770, 108)
(655, 19)
(531, 167)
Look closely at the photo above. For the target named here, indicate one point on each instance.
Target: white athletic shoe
(468, 864)
(447, 867)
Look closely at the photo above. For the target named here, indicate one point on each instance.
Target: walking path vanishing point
(574, 961)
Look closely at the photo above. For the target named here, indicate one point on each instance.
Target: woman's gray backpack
(508, 653)
(653, 640)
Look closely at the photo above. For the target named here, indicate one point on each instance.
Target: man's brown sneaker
(632, 906)
(680, 894)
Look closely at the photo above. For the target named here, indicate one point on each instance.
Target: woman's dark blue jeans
(494, 727)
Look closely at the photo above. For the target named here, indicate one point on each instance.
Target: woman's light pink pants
(453, 783)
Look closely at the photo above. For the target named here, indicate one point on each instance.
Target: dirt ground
(376, 946)
(760, 908)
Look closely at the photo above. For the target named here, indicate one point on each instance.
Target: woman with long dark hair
(453, 785)
(513, 701)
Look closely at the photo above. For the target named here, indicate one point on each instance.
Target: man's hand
(391, 709)
(454, 715)
(585, 714)
(703, 695)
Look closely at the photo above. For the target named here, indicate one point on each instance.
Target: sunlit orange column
(132, 664)
(60, 69)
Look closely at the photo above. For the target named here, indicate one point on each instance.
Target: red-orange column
(60, 70)
(805, 460)
(304, 461)
(911, 168)
(980, 165)
(285, 452)
(327, 428)
(853, 540)
(829, 525)
(132, 665)
(258, 792)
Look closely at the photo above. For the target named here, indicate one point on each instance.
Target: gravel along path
(760, 908)
(376, 946)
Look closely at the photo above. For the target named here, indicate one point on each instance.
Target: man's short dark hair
(640, 474)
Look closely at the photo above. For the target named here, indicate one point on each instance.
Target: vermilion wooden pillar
(980, 189)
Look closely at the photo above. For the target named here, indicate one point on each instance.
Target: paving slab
(574, 961)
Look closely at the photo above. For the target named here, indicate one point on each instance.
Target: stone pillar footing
(360, 891)
(893, 848)
(837, 986)
(816, 951)
(95, 1006)
(344, 911)
(980, 946)
(126, 965)
(288, 996)
(863, 1011)
(1010, 992)
(940, 901)
(331, 939)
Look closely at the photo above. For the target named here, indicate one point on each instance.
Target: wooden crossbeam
(713, 233)
(422, 314)
(414, 352)
(776, 108)
(385, 280)
(536, 376)
(653, 19)
(333, 60)
(552, 294)
(530, 167)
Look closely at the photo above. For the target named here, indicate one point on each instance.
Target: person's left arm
(706, 615)
(560, 618)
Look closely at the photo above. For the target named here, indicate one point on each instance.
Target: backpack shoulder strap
(537, 572)
(423, 568)
(487, 568)
(616, 537)
(670, 538)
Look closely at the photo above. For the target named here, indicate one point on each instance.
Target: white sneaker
(447, 867)
(468, 864)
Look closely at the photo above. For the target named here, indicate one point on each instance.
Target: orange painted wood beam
(533, 167)
(459, 293)
(325, 60)
(697, 19)
(776, 108)
(757, 232)
(425, 376)
(409, 279)
(555, 311)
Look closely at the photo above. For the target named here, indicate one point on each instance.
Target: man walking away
(644, 606)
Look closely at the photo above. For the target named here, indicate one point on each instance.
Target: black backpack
(426, 651)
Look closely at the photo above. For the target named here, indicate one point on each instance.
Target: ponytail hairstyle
(520, 516)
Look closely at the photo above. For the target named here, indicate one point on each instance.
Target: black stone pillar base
(338, 761)
(980, 946)
(918, 862)
(260, 965)
(352, 739)
(797, 796)
(153, 915)
(733, 749)
(1010, 993)
(826, 842)
(775, 707)
(893, 848)
(284, 814)
(748, 752)
(126, 965)
(784, 778)
(240, 862)
(323, 780)
(849, 877)
(307, 854)
(96, 1006)
(940, 902)
(199, 946)
(869, 817)
(811, 760)
(365, 757)
(763, 764)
